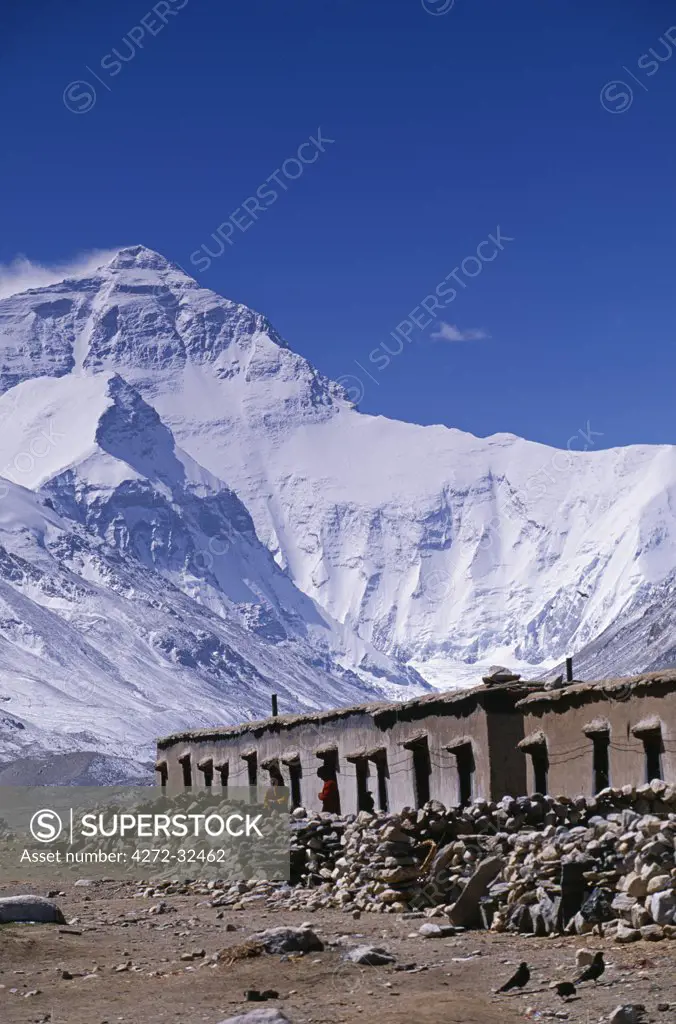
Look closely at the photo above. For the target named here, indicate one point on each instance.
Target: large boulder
(630, 1013)
(625, 934)
(465, 910)
(34, 909)
(288, 940)
(662, 906)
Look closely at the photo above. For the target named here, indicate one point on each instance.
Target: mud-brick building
(586, 736)
(451, 747)
(504, 738)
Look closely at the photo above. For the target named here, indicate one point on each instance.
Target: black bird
(565, 989)
(252, 995)
(518, 980)
(594, 971)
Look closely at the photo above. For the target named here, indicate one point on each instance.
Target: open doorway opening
(185, 762)
(601, 760)
(653, 748)
(379, 758)
(422, 769)
(276, 794)
(540, 759)
(292, 762)
(649, 731)
(465, 767)
(295, 775)
(251, 758)
(364, 798)
(464, 757)
(223, 769)
(206, 766)
(598, 732)
(535, 746)
(162, 769)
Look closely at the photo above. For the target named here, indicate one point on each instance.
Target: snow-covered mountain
(135, 596)
(162, 423)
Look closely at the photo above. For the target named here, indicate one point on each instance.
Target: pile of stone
(379, 865)
(317, 842)
(537, 864)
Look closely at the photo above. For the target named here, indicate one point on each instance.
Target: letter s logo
(46, 826)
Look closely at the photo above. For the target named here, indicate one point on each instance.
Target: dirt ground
(126, 967)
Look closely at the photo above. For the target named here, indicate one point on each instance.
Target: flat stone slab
(431, 930)
(33, 909)
(465, 910)
(370, 956)
(263, 1016)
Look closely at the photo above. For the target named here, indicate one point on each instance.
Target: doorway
(653, 749)
(252, 767)
(466, 767)
(540, 759)
(601, 760)
(382, 775)
(185, 762)
(223, 770)
(295, 775)
(162, 769)
(206, 766)
(422, 769)
(361, 767)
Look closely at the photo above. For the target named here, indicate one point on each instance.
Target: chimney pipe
(275, 712)
(569, 670)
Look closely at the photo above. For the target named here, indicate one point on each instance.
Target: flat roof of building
(531, 694)
(376, 711)
(621, 688)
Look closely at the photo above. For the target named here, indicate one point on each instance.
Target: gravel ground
(125, 966)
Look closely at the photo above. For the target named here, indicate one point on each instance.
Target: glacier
(192, 517)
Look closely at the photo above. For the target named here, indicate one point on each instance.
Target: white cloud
(449, 332)
(22, 274)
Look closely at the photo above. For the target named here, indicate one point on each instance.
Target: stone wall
(538, 865)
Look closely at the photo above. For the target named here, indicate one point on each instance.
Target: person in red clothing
(329, 796)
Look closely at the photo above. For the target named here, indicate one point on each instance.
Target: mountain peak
(141, 313)
(141, 258)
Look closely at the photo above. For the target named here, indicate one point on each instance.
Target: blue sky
(444, 126)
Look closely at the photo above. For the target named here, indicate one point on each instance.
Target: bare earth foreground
(126, 965)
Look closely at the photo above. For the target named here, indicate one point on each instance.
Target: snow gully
(24, 462)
